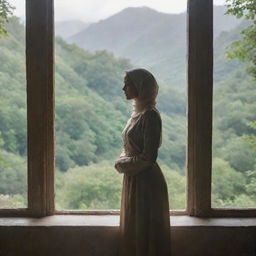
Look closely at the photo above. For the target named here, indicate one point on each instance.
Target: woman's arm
(151, 137)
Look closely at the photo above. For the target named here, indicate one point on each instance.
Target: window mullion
(200, 86)
(40, 103)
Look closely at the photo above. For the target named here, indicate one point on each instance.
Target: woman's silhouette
(144, 216)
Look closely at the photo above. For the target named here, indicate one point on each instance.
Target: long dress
(144, 215)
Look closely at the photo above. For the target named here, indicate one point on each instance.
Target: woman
(144, 215)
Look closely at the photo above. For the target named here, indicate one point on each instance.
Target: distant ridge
(148, 38)
(69, 28)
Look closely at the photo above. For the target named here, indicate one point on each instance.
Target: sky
(95, 10)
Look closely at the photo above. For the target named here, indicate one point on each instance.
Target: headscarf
(147, 88)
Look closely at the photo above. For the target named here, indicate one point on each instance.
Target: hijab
(147, 88)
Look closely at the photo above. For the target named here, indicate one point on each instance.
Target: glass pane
(13, 111)
(95, 44)
(234, 157)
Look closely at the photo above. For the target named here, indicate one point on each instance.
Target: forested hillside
(91, 112)
(149, 38)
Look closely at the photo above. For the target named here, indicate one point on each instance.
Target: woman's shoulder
(152, 113)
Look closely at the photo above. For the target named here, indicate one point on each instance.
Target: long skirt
(144, 216)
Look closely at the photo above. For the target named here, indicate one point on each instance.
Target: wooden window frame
(40, 114)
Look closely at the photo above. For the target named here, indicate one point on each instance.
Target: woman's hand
(117, 165)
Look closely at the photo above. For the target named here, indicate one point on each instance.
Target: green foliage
(13, 128)
(231, 188)
(244, 49)
(240, 201)
(251, 184)
(234, 106)
(90, 114)
(2, 162)
(12, 201)
(102, 72)
(251, 139)
(5, 11)
(241, 8)
(176, 184)
(239, 155)
(90, 136)
(227, 183)
(13, 174)
(173, 149)
(99, 186)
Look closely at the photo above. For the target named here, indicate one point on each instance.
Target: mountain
(88, 90)
(78, 141)
(69, 28)
(118, 31)
(91, 112)
(148, 38)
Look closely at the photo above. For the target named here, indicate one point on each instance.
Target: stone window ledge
(113, 221)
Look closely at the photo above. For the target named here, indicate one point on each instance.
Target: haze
(95, 10)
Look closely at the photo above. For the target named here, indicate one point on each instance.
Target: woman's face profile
(129, 89)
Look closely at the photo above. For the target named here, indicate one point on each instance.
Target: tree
(244, 49)
(251, 174)
(251, 139)
(5, 11)
(227, 185)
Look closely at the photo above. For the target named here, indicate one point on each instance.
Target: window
(13, 114)
(234, 95)
(40, 94)
(90, 107)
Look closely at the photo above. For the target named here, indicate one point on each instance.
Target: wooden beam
(233, 212)
(200, 86)
(40, 104)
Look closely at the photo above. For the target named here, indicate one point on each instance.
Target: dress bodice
(141, 140)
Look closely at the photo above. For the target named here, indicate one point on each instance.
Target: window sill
(113, 221)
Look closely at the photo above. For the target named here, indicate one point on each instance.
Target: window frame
(40, 115)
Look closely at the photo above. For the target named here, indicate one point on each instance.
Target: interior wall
(103, 241)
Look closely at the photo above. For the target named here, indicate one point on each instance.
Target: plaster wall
(72, 239)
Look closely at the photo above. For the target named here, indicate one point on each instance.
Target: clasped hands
(118, 164)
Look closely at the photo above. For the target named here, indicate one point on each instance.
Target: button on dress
(144, 215)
